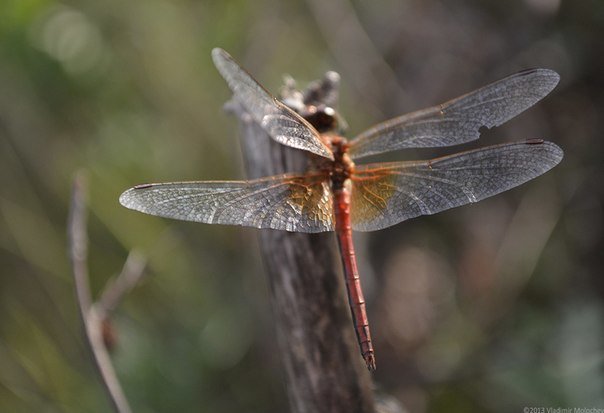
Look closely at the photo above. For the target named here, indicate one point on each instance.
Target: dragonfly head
(316, 103)
(322, 118)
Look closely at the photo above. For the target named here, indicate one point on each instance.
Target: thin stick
(78, 252)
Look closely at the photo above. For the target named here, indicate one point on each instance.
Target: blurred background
(489, 308)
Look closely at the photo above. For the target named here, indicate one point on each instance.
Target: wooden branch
(324, 370)
(94, 316)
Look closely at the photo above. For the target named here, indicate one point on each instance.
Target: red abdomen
(351, 274)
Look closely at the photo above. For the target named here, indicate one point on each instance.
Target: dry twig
(94, 315)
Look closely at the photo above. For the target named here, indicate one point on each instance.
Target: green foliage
(488, 308)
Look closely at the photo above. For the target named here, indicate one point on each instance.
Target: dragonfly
(334, 194)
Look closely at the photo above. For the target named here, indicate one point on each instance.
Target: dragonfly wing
(280, 122)
(458, 120)
(290, 203)
(386, 194)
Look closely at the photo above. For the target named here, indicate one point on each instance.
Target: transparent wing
(280, 122)
(386, 194)
(288, 202)
(458, 120)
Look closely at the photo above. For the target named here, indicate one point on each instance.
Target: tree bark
(324, 370)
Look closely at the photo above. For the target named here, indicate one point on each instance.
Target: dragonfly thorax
(342, 165)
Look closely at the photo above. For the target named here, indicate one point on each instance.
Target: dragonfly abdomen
(351, 274)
